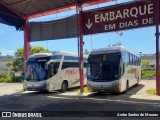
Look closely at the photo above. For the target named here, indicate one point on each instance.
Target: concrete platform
(138, 92)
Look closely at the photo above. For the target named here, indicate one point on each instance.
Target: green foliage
(9, 64)
(19, 53)
(8, 79)
(4, 77)
(16, 65)
(151, 91)
(145, 63)
(86, 52)
(37, 49)
(148, 73)
(17, 79)
(85, 90)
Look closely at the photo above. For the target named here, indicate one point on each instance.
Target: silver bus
(52, 71)
(114, 69)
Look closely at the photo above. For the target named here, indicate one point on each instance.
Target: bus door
(123, 64)
(52, 71)
(57, 75)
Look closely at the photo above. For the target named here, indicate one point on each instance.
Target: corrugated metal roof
(35, 8)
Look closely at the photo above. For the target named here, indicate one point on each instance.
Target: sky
(138, 40)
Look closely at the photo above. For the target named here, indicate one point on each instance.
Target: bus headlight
(88, 83)
(114, 83)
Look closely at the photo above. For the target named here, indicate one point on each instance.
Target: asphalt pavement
(12, 98)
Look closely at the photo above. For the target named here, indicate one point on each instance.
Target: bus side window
(124, 56)
(137, 61)
(65, 65)
(133, 59)
(127, 58)
(69, 64)
(70, 58)
(50, 69)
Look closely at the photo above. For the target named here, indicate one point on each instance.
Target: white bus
(52, 71)
(114, 70)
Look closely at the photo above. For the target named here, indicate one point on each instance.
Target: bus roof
(112, 49)
(43, 54)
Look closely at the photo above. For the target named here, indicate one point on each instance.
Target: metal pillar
(26, 42)
(81, 43)
(157, 48)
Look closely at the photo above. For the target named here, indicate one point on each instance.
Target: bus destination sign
(119, 17)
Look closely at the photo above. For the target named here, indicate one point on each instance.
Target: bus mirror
(46, 66)
(82, 63)
(51, 70)
(55, 71)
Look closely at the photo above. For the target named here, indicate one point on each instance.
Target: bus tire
(64, 86)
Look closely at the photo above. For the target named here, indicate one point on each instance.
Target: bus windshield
(104, 67)
(36, 69)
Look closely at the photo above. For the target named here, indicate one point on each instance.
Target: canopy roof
(15, 12)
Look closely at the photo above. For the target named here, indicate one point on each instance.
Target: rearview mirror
(46, 66)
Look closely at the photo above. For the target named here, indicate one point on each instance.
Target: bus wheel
(64, 86)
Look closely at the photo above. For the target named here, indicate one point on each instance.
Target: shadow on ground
(55, 101)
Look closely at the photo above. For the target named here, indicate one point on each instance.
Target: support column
(26, 42)
(81, 43)
(157, 48)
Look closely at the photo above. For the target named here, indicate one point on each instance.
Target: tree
(145, 63)
(117, 44)
(86, 52)
(4, 77)
(16, 65)
(9, 64)
(36, 49)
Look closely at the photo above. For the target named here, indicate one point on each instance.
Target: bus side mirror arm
(46, 66)
(82, 63)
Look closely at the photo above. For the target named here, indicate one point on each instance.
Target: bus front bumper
(111, 89)
(31, 87)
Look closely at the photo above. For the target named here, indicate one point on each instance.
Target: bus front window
(104, 67)
(36, 69)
